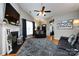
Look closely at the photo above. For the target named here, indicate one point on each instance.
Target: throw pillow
(72, 39)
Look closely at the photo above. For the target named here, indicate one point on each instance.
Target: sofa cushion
(63, 43)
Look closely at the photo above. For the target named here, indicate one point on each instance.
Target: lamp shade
(76, 22)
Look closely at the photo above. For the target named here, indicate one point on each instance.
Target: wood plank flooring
(51, 38)
(10, 55)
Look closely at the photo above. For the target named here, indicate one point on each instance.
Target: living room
(61, 18)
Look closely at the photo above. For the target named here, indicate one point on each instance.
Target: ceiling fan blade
(36, 10)
(47, 11)
(43, 8)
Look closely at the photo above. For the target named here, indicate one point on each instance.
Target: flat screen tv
(11, 14)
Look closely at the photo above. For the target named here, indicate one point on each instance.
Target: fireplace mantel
(11, 27)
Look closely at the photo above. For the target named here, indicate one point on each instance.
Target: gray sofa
(64, 48)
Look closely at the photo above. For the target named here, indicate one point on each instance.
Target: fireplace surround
(7, 30)
(11, 40)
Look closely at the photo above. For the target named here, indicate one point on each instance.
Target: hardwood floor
(55, 41)
(10, 55)
(51, 38)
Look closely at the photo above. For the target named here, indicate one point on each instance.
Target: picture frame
(65, 24)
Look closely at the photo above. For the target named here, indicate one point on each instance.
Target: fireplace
(15, 36)
(11, 40)
(9, 32)
(13, 47)
(14, 41)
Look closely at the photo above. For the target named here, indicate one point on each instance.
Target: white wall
(0, 39)
(2, 9)
(66, 32)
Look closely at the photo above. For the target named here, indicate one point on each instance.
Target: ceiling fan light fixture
(42, 11)
(42, 14)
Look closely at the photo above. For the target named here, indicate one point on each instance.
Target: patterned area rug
(37, 47)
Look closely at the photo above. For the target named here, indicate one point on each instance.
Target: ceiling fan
(42, 11)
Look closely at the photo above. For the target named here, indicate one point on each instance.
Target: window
(29, 27)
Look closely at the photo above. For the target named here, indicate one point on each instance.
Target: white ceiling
(56, 8)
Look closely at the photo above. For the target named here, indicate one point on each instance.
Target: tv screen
(11, 14)
(29, 27)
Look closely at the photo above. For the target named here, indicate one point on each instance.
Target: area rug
(37, 47)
